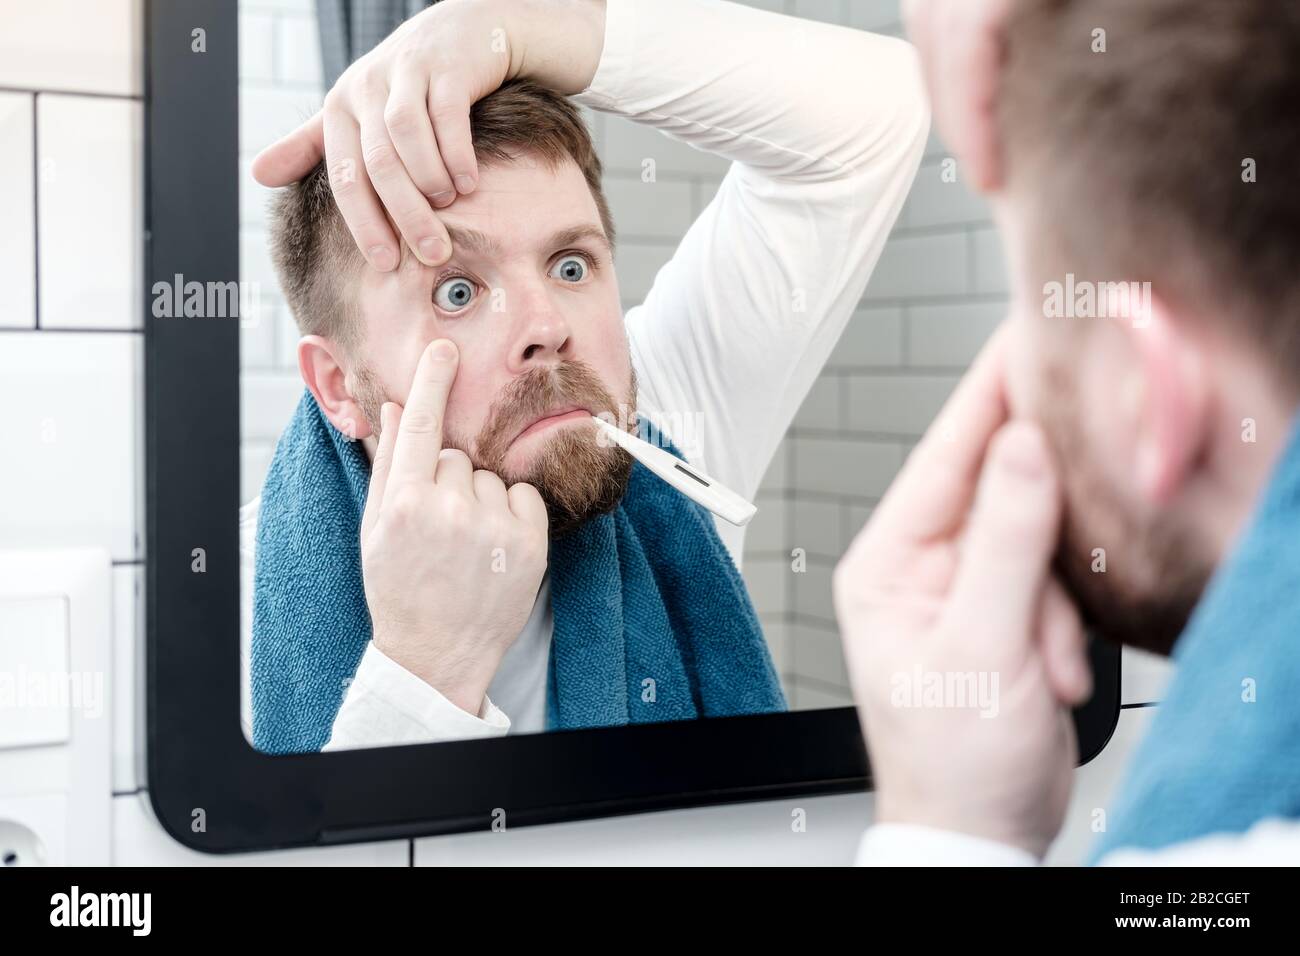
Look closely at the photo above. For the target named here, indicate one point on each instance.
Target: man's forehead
(520, 204)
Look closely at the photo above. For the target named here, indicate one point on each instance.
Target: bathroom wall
(71, 374)
(71, 356)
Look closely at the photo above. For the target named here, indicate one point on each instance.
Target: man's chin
(578, 478)
(1149, 622)
(525, 456)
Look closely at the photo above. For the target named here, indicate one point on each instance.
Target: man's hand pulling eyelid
(394, 132)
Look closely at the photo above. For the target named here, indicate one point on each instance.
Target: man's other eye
(454, 294)
(570, 269)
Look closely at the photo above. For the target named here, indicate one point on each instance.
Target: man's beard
(578, 476)
(1155, 568)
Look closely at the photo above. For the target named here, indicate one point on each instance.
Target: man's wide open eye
(454, 294)
(570, 269)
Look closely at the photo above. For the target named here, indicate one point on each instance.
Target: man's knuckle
(453, 456)
(421, 422)
(406, 502)
(334, 105)
(401, 118)
(444, 107)
(488, 479)
(453, 516)
(343, 184)
(380, 158)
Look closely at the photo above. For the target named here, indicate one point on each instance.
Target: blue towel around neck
(1223, 750)
(652, 619)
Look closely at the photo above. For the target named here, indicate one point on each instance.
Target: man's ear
(322, 365)
(1173, 414)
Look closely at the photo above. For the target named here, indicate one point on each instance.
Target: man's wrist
(465, 684)
(917, 813)
(557, 43)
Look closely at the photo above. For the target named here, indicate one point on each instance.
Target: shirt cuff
(620, 35)
(910, 844)
(387, 705)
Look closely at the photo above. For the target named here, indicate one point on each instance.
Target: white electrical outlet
(33, 830)
(56, 657)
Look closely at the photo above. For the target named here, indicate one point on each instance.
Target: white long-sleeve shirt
(1270, 842)
(824, 127)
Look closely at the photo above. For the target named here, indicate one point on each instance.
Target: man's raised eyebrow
(471, 240)
(478, 243)
(576, 234)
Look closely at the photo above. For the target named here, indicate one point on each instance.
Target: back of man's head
(1156, 140)
(314, 253)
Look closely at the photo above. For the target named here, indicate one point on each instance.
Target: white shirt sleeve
(387, 705)
(1272, 842)
(909, 844)
(825, 127)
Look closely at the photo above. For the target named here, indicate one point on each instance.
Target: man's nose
(544, 337)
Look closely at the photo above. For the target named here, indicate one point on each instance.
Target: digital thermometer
(691, 482)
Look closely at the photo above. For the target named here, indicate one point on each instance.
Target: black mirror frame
(199, 765)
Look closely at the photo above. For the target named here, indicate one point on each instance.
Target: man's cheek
(462, 401)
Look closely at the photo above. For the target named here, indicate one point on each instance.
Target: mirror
(718, 311)
(744, 234)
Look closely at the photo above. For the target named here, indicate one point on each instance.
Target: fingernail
(464, 184)
(443, 198)
(381, 257)
(431, 249)
(444, 350)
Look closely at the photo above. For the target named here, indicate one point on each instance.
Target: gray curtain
(351, 28)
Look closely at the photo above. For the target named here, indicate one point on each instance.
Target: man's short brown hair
(314, 253)
(1170, 157)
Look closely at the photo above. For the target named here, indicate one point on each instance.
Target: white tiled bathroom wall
(71, 377)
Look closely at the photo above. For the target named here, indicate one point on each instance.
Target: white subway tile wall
(73, 454)
(90, 196)
(71, 345)
(17, 210)
(71, 365)
(73, 46)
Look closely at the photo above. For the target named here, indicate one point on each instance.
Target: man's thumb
(1011, 535)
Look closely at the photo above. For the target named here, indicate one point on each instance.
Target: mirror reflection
(566, 388)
